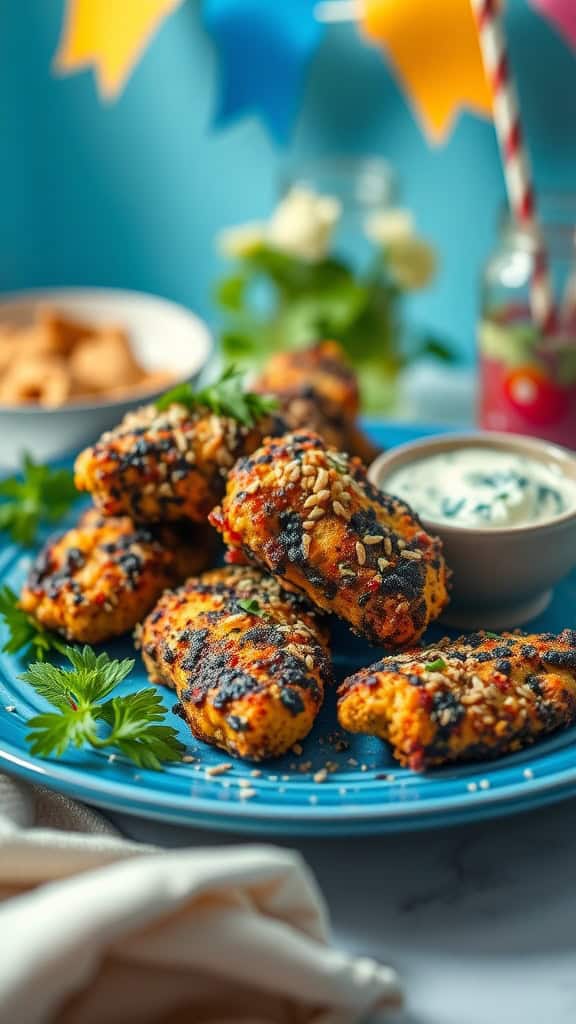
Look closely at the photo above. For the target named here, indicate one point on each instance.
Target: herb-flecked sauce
(482, 487)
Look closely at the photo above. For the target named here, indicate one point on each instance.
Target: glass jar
(528, 381)
(367, 323)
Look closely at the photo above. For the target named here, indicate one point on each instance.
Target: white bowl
(163, 336)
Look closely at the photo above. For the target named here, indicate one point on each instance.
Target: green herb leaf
(84, 716)
(435, 666)
(25, 632)
(493, 636)
(41, 494)
(252, 606)
(225, 397)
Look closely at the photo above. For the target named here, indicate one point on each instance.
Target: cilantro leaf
(225, 397)
(84, 715)
(39, 494)
(24, 631)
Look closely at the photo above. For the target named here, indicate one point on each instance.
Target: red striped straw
(515, 162)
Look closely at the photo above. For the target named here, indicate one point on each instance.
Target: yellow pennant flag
(433, 47)
(110, 35)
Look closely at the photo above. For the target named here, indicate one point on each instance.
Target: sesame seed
(218, 769)
(316, 513)
(308, 525)
(360, 553)
(244, 783)
(306, 542)
(339, 509)
(323, 496)
(10, 708)
(253, 487)
(188, 759)
(320, 776)
(352, 762)
(297, 749)
(308, 471)
(484, 783)
(247, 794)
(373, 538)
(414, 556)
(321, 480)
(294, 475)
(528, 773)
(472, 787)
(387, 545)
(255, 773)
(383, 564)
(311, 501)
(401, 544)
(309, 661)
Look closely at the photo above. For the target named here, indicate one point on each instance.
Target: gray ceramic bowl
(502, 577)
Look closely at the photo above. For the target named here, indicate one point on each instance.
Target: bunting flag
(432, 45)
(562, 15)
(264, 47)
(110, 36)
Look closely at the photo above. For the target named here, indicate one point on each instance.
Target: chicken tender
(165, 466)
(310, 516)
(249, 663)
(100, 578)
(472, 699)
(317, 390)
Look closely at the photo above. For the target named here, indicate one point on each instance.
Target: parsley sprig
(435, 666)
(252, 606)
(24, 632)
(87, 714)
(40, 494)
(225, 397)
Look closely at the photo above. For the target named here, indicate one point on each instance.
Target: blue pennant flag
(264, 48)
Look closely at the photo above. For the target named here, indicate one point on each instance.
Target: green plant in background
(287, 290)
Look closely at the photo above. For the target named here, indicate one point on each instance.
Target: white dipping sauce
(482, 487)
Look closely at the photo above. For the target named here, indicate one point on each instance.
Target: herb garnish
(24, 631)
(435, 666)
(86, 714)
(252, 606)
(42, 494)
(225, 397)
(493, 636)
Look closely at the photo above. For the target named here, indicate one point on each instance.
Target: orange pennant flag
(433, 47)
(110, 35)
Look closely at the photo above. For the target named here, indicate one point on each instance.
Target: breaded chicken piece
(310, 516)
(165, 466)
(249, 663)
(474, 699)
(100, 578)
(318, 390)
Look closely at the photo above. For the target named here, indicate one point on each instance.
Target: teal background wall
(131, 194)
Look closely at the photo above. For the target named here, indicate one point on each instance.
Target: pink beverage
(527, 382)
(527, 387)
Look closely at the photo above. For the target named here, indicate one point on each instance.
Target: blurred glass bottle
(527, 382)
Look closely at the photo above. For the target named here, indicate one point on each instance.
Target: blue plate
(367, 794)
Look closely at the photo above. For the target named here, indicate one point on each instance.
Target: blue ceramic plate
(367, 794)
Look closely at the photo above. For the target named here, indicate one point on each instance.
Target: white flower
(302, 224)
(241, 240)
(410, 260)
(387, 226)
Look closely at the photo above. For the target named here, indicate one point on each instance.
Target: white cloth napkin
(94, 928)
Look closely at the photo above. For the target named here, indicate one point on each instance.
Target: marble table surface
(480, 920)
